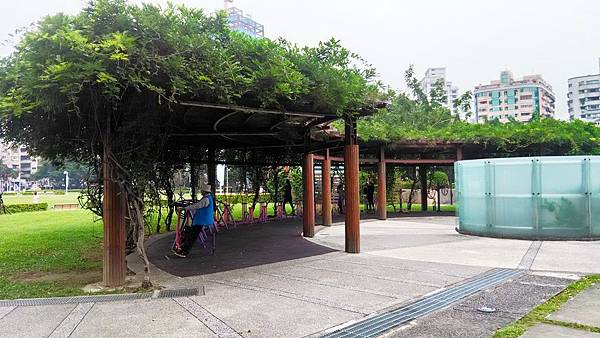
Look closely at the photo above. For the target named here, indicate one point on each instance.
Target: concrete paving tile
(583, 309)
(33, 321)
(362, 301)
(213, 323)
(454, 269)
(581, 257)
(398, 270)
(260, 314)
(4, 310)
(69, 324)
(391, 234)
(491, 252)
(401, 288)
(140, 318)
(546, 331)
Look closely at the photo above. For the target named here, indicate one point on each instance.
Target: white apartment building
(507, 99)
(20, 161)
(432, 76)
(584, 98)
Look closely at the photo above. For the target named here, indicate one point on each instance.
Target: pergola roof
(235, 127)
(254, 136)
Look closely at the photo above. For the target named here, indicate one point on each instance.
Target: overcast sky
(475, 40)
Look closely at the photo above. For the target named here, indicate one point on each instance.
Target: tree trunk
(170, 201)
(276, 193)
(410, 196)
(159, 215)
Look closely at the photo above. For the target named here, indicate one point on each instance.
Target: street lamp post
(66, 173)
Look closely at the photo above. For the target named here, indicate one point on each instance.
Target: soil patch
(71, 277)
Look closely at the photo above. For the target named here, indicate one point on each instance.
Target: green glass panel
(540, 197)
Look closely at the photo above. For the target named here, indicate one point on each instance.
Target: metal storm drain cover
(486, 309)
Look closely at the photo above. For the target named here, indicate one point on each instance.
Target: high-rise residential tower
(433, 76)
(241, 22)
(507, 99)
(584, 98)
(18, 159)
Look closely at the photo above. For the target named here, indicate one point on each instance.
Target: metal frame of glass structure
(530, 197)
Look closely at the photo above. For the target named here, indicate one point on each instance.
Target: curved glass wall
(530, 197)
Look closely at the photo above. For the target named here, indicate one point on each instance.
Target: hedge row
(40, 192)
(17, 208)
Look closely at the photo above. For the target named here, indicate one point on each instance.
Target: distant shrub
(17, 208)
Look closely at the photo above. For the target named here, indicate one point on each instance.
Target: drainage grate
(378, 324)
(74, 300)
(174, 293)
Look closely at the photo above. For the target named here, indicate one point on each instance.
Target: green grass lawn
(49, 253)
(417, 207)
(51, 199)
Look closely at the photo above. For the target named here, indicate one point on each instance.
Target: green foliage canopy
(557, 137)
(112, 51)
(113, 75)
(422, 118)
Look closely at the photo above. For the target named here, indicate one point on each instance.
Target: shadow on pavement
(241, 247)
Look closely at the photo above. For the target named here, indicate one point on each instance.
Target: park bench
(66, 206)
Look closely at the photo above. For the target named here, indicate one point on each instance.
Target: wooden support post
(381, 186)
(459, 152)
(212, 172)
(113, 216)
(351, 172)
(326, 184)
(308, 208)
(423, 179)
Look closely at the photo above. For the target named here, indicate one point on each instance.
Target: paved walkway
(582, 311)
(268, 281)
